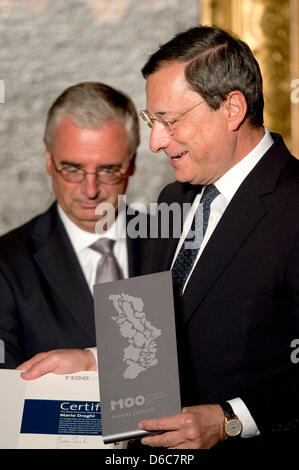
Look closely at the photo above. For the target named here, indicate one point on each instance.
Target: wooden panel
(270, 28)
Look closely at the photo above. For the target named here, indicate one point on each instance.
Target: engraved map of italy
(141, 352)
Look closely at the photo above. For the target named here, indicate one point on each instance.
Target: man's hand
(197, 427)
(58, 361)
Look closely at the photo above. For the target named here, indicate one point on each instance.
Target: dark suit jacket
(45, 300)
(240, 309)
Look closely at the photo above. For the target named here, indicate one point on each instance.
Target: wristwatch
(232, 424)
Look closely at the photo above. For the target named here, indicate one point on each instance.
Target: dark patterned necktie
(108, 268)
(186, 256)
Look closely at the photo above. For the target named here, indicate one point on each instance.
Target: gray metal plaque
(137, 354)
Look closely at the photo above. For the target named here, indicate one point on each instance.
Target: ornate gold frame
(271, 29)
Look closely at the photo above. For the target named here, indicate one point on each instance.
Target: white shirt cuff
(249, 427)
(94, 352)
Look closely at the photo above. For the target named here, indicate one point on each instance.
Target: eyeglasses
(146, 116)
(105, 175)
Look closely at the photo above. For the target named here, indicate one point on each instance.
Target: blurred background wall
(48, 45)
(271, 28)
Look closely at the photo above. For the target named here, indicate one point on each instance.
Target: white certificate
(52, 412)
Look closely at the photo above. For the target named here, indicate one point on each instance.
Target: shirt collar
(229, 183)
(82, 239)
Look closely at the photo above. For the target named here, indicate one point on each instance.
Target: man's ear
(236, 109)
(48, 162)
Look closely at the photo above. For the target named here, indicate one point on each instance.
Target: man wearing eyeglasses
(49, 265)
(237, 296)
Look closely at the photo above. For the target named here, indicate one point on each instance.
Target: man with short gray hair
(49, 265)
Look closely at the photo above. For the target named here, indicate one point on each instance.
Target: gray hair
(91, 105)
(216, 63)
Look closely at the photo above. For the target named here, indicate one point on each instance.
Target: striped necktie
(186, 256)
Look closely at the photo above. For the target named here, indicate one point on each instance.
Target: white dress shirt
(227, 185)
(87, 257)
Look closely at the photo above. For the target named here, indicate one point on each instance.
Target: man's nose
(159, 138)
(91, 185)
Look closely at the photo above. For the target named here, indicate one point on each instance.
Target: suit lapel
(163, 249)
(244, 212)
(136, 246)
(58, 263)
(224, 243)
(134, 256)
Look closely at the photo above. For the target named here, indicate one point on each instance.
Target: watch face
(233, 427)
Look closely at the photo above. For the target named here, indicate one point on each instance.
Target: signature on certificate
(72, 442)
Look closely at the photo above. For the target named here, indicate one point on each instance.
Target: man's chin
(194, 179)
(181, 178)
(88, 218)
(90, 228)
(85, 222)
